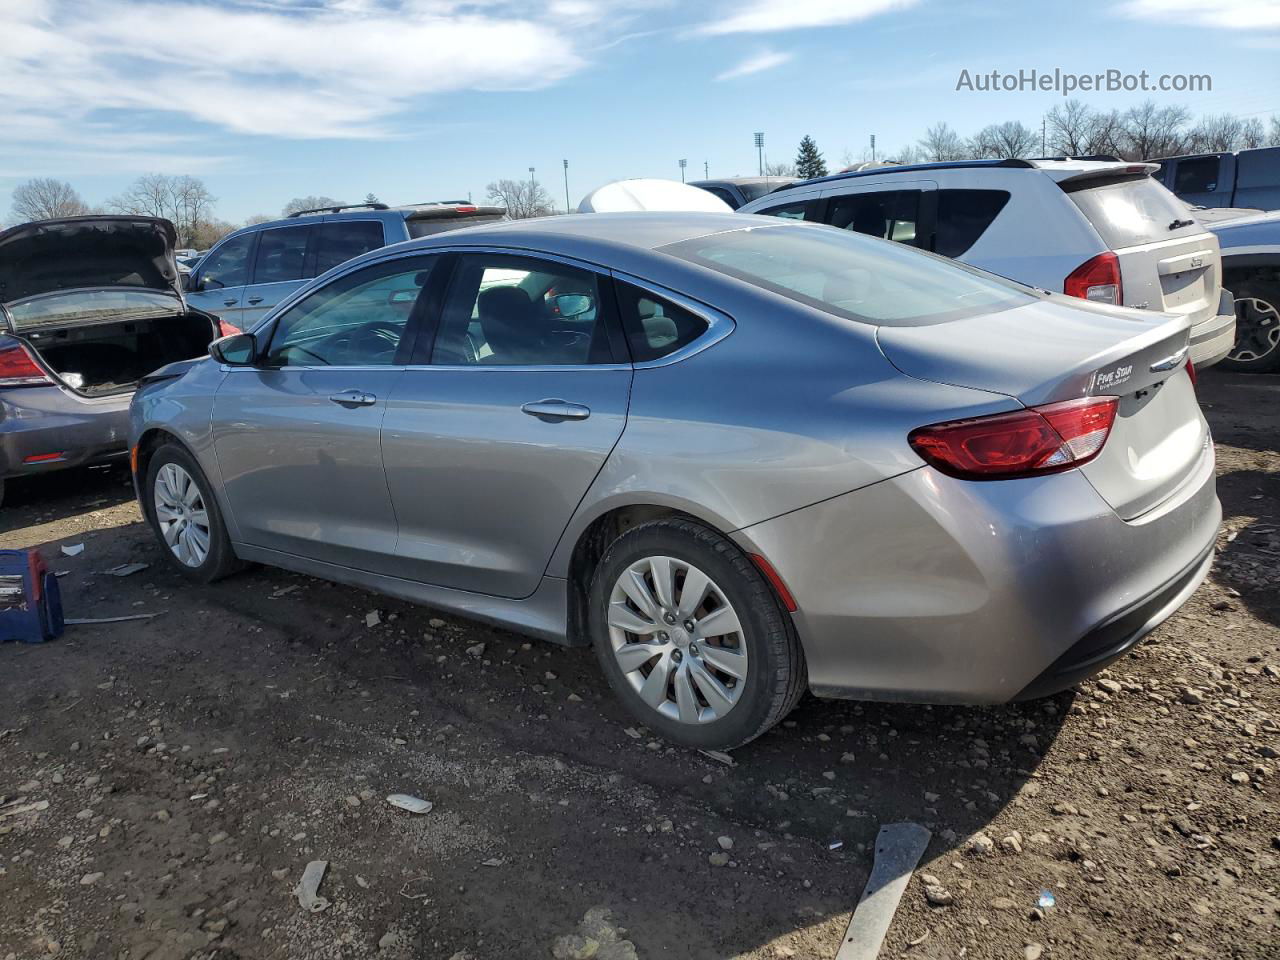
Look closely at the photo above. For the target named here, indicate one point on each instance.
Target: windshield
(1134, 211)
(853, 276)
(91, 306)
(754, 191)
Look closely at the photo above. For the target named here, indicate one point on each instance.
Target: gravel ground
(164, 783)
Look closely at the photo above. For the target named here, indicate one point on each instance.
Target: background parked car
(1249, 178)
(90, 306)
(250, 271)
(738, 191)
(1103, 231)
(717, 447)
(1250, 242)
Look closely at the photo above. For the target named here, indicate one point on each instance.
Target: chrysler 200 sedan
(742, 458)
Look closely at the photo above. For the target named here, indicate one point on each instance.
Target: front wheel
(692, 637)
(1257, 346)
(186, 518)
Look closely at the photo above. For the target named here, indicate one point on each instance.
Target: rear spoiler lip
(1102, 171)
(443, 212)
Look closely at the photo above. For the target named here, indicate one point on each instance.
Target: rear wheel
(692, 638)
(1257, 346)
(186, 518)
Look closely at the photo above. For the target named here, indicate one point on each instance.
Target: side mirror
(237, 350)
(570, 305)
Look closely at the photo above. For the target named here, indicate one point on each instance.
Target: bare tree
(44, 199)
(1012, 138)
(258, 218)
(209, 232)
(940, 143)
(1252, 134)
(780, 169)
(1273, 133)
(1076, 129)
(1150, 131)
(522, 198)
(1216, 134)
(298, 204)
(184, 200)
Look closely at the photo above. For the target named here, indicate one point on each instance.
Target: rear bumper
(38, 421)
(1212, 339)
(927, 589)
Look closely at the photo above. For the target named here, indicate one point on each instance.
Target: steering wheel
(378, 330)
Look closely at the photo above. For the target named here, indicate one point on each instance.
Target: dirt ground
(164, 783)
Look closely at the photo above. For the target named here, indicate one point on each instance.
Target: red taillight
(1038, 440)
(464, 209)
(1191, 371)
(17, 367)
(227, 329)
(1097, 280)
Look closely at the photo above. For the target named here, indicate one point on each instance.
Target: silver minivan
(1097, 229)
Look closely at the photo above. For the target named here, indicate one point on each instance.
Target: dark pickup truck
(1249, 178)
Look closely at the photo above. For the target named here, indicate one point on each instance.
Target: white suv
(1101, 230)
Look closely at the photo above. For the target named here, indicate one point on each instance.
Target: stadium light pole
(566, 187)
(760, 151)
(683, 164)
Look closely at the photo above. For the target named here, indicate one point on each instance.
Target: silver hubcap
(1257, 329)
(181, 515)
(678, 640)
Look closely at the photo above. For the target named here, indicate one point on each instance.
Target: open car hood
(98, 252)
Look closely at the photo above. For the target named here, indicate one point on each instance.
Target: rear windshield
(754, 191)
(91, 306)
(433, 225)
(853, 276)
(1132, 212)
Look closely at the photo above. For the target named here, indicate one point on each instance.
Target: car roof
(1066, 168)
(742, 181)
(642, 230)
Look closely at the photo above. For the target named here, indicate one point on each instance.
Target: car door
(502, 422)
(279, 268)
(297, 435)
(217, 284)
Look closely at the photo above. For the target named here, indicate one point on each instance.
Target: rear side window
(654, 327)
(1197, 175)
(963, 216)
(339, 241)
(888, 214)
(429, 226)
(789, 211)
(1134, 211)
(282, 255)
(851, 277)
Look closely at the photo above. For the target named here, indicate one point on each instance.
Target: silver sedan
(742, 458)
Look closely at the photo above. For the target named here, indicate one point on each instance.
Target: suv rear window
(1129, 212)
(852, 276)
(429, 226)
(963, 216)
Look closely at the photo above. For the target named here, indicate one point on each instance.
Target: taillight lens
(1191, 371)
(17, 367)
(1097, 280)
(1038, 440)
(227, 329)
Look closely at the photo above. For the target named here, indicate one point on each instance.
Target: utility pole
(706, 169)
(873, 148)
(1043, 141)
(566, 188)
(683, 164)
(533, 193)
(760, 151)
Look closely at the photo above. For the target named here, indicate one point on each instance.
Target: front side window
(339, 241)
(852, 277)
(789, 211)
(655, 327)
(888, 214)
(963, 216)
(228, 266)
(517, 311)
(282, 255)
(357, 320)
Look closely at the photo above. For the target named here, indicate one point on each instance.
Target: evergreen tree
(809, 162)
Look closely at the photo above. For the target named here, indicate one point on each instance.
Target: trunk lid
(120, 258)
(1062, 348)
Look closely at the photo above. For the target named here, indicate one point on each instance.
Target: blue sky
(428, 99)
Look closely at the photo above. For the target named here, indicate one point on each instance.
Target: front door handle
(229, 303)
(354, 398)
(255, 299)
(554, 410)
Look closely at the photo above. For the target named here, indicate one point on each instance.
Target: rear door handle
(255, 299)
(554, 410)
(354, 398)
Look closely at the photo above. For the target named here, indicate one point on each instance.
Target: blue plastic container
(30, 600)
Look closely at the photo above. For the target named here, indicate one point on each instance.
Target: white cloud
(283, 68)
(768, 16)
(760, 62)
(1221, 14)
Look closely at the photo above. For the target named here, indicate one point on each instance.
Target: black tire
(220, 560)
(1264, 293)
(776, 676)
